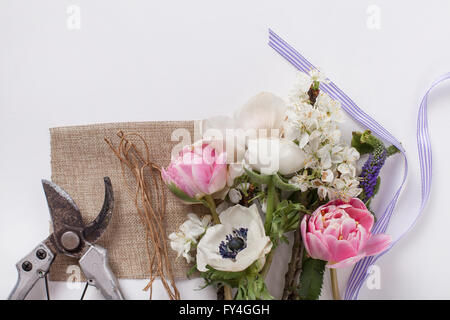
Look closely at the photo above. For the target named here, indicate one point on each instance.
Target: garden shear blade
(72, 238)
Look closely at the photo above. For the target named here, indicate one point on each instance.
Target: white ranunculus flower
(271, 155)
(263, 111)
(234, 244)
(188, 233)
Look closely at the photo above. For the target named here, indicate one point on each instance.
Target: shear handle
(95, 266)
(30, 269)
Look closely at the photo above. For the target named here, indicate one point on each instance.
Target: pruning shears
(70, 237)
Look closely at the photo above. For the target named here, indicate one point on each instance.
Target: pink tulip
(198, 170)
(339, 232)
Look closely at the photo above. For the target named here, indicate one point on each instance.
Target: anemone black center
(233, 243)
(236, 244)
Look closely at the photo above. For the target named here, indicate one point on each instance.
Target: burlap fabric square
(80, 158)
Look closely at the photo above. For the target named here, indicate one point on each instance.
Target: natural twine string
(150, 207)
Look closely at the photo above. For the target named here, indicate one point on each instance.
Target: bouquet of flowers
(271, 169)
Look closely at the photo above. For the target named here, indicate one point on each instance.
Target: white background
(176, 60)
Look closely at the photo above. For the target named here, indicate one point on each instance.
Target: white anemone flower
(234, 244)
(188, 234)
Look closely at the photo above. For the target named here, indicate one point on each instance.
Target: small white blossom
(322, 191)
(329, 164)
(301, 87)
(188, 234)
(344, 188)
(234, 195)
(330, 108)
(316, 75)
(324, 154)
(327, 176)
(301, 180)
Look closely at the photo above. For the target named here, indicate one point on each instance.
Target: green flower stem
(270, 206)
(228, 295)
(211, 204)
(294, 267)
(271, 202)
(266, 267)
(212, 207)
(334, 284)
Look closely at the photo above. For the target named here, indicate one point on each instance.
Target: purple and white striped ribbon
(360, 271)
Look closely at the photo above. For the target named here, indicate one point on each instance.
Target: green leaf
(213, 276)
(369, 139)
(182, 195)
(363, 148)
(315, 85)
(311, 279)
(250, 285)
(257, 178)
(191, 271)
(391, 150)
(253, 287)
(282, 185)
(286, 217)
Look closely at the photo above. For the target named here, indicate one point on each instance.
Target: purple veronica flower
(371, 170)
